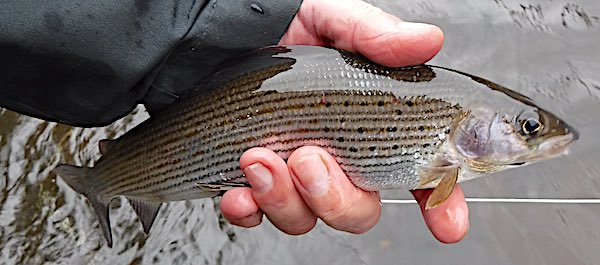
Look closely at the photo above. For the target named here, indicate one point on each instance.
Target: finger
(330, 194)
(449, 222)
(359, 27)
(275, 193)
(239, 208)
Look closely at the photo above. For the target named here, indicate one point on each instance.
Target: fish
(413, 127)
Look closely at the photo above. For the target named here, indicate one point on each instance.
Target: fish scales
(230, 138)
(229, 146)
(304, 104)
(204, 121)
(403, 128)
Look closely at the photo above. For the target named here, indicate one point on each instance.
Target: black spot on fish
(341, 139)
(353, 149)
(392, 129)
(364, 103)
(372, 148)
(421, 128)
(380, 103)
(347, 103)
(398, 112)
(409, 103)
(360, 130)
(326, 129)
(328, 104)
(426, 145)
(395, 147)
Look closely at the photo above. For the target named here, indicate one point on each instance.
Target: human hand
(311, 185)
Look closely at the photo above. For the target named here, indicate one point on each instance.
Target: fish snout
(558, 145)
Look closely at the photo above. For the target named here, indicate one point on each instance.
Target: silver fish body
(388, 128)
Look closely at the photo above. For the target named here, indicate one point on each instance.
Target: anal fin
(443, 190)
(146, 212)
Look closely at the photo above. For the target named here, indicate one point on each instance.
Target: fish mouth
(559, 141)
(551, 148)
(570, 131)
(557, 145)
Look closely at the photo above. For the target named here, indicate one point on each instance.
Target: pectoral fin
(443, 190)
(429, 175)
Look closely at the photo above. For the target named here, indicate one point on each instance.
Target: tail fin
(77, 178)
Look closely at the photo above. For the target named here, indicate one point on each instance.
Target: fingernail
(413, 26)
(259, 177)
(459, 217)
(312, 174)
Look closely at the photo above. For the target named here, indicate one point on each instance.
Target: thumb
(357, 26)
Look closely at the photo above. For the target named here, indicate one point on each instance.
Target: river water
(548, 50)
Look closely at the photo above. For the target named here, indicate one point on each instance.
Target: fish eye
(531, 126)
(529, 123)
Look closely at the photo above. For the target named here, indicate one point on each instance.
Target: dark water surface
(546, 49)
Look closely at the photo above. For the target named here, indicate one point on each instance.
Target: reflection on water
(546, 49)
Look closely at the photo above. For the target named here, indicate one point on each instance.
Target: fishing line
(508, 200)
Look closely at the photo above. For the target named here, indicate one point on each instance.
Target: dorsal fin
(104, 145)
(146, 212)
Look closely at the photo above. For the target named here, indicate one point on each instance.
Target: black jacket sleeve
(88, 63)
